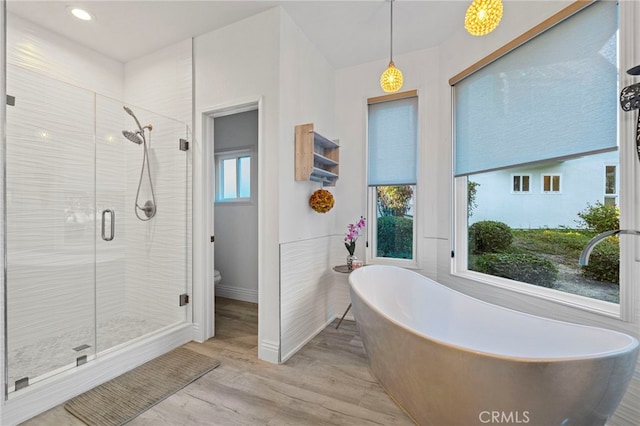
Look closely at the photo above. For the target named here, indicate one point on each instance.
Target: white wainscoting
(311, 293)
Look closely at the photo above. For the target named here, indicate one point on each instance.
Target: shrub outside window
(394, 222)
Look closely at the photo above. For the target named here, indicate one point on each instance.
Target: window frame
(372, 226)
(372, 216)
(236, 154)
(521, 175)
(626, 194)
(616, 183)
(551, 176)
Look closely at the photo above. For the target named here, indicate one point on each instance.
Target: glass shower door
(50, 304)
(141, 260)
(85, 273)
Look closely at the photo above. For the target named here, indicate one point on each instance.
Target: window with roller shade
(545, 110)
(392, 176)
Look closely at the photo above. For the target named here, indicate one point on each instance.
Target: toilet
(216, 277)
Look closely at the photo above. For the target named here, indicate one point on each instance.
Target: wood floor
(326, 383)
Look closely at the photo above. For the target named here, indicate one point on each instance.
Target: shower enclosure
(85, 276)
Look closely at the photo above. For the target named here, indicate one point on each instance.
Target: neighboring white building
(548, 195)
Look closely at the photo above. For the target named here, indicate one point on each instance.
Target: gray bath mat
(129, 395)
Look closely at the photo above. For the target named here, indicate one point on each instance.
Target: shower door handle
(113, 224)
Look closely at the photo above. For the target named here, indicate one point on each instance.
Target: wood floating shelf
(317, 158)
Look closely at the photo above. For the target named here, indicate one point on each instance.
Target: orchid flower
(353, 232)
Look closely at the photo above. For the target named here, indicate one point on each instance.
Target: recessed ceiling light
(80, 13)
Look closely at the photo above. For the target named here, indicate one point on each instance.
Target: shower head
(135, 137)
(128, 110)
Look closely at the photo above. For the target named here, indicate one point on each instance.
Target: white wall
(162, 81)
(235, 65)
(268, 57)
(306, 96)
(38, 50)
(582, 181)
(159, 89)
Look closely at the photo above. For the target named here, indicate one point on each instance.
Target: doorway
(235, 212)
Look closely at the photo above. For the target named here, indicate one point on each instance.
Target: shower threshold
(56, 354)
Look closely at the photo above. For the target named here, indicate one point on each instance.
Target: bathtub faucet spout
(586, 252)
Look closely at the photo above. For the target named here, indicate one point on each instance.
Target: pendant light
(391, 79)
(483, 16)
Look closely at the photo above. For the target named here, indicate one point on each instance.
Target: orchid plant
(353, 232)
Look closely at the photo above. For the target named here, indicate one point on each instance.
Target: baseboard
(236, 293)
(269, 351)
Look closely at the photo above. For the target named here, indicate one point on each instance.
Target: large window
(544, 117)
(392, 176)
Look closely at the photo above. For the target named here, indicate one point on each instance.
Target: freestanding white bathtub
(451, 360)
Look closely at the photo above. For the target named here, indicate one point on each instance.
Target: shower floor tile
(57, 352)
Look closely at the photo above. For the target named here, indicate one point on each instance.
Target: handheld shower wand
(138, 137)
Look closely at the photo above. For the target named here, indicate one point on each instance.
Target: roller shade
(554, 97)
(393, 142)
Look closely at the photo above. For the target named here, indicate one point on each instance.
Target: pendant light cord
(391, 46)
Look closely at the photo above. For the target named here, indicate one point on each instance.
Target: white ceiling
(345, 32)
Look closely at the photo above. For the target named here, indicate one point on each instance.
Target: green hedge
(600, 218)
(489, 236)
(604, 262)
(395, 237)
(519, 267)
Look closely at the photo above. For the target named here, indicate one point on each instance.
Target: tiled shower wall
(161, 82)
(54, 225)
(50, 146)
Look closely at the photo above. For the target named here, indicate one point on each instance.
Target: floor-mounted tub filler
(449, 359)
